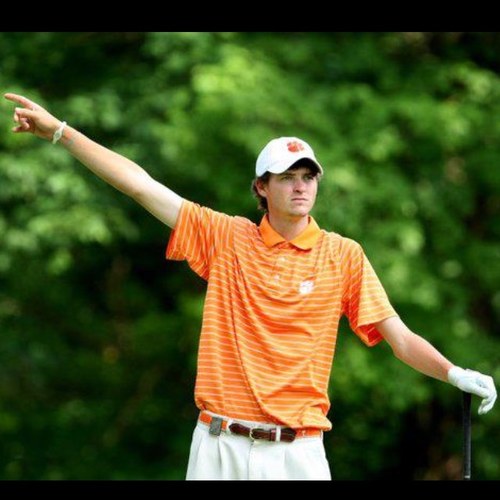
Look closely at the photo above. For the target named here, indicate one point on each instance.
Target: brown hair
(262, 201)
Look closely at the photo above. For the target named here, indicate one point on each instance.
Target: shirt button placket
(279, 268)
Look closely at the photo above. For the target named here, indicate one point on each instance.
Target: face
(291, 194)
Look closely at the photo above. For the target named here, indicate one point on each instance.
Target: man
(275, 295)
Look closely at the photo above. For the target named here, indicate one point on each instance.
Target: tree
(98, 351)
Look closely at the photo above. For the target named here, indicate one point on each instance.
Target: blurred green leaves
(99, 332)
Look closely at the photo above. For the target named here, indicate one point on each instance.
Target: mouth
(299, 199)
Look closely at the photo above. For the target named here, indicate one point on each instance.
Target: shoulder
(245, 227)
(341, 246)
(203, 214)
(244, 222)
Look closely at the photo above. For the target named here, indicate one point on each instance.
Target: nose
(299, 185)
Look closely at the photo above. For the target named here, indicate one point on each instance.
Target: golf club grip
(467, 435)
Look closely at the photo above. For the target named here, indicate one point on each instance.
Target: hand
(475, 383)
(33, 118)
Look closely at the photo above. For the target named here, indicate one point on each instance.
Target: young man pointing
(276, 292)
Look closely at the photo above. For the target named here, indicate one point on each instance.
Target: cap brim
(279, 168)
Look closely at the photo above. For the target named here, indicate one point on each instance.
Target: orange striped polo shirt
(271, 313)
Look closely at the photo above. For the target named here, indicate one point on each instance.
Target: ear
(261, 188)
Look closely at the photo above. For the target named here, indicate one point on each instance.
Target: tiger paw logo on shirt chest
(306, 286)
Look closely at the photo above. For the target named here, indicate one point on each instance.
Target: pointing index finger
(19, 99)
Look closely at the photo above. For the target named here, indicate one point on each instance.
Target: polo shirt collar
(305, 240)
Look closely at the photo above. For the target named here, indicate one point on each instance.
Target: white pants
(231, 456)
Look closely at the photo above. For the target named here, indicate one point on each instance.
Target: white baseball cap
(280, 154)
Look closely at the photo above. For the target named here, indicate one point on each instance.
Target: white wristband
(58, 133)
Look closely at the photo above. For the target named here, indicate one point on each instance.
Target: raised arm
(118, 171)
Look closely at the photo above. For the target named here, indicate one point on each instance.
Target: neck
(288, 228)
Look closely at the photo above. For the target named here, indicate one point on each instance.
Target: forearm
(414, 350)
(424, 357)
(118, 171)
(124, 175)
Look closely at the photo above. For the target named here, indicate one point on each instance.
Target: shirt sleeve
(365, 301)
(199, 235)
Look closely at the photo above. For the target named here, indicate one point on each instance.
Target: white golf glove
(475, 383)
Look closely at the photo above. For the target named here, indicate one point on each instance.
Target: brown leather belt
(287, 434)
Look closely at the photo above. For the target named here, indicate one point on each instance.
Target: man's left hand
(475, 383)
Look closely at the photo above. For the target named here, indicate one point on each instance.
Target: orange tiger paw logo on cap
(294, 146)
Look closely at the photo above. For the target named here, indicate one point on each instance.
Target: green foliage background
(99, 332)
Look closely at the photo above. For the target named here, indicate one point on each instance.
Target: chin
(299, 213)
(303, 209)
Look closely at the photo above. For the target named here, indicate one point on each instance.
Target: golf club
(467, 435)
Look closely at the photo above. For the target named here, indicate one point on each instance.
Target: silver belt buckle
(215, 426)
